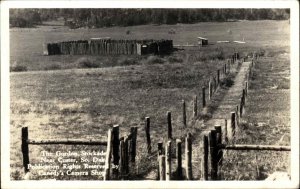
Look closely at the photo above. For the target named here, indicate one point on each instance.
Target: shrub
(127, 61)
(172, 59)
(18, 68)
(53, 67)
(154, 60)
(86, 63)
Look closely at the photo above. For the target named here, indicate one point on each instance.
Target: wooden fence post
(225, 69)
(108, 155)
(195, 109)
(183, 113)
(218, 77)
(169, 125)
(241, 106)
(219, 160)
(179, 159)
(133, 131)
(162, 167)
(246, 88)
(126, 158)
(115, 143)
(168, 160)
(233, 124)
(159, 153)
(205, 157)
(122, 158)
(203, 97)
(209, 90)
(213, 155)
(147, 129)
(188, 156)
(225, 132)
(25, 148)
(237, 112)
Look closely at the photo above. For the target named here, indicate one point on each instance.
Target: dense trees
(128, 17)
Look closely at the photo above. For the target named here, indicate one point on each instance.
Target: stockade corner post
(148, 137)
(133, 133)
(25, 148)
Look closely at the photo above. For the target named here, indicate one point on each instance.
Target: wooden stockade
(103, 46)
(118, 152)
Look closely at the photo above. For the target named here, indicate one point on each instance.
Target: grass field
(84, 103)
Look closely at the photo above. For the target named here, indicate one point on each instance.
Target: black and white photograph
(200, 95)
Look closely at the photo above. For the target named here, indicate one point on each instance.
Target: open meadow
(58, 97)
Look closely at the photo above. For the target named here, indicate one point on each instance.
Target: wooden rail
(254, 147)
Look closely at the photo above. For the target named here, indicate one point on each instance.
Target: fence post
(126, 158)
(169, 125)
(218, 77)
(147, 130)
(188, 156)
(241, 106)
(225, 132)
(133, 131)
(195, 112)
(25, 148)
(108, 155)
(179, 159)
(122, 156)
(233, 124)
(205, 157)
(219, 160)
(237, 112)
(162, 167)
(203, 97)
(183, 113)
(213, 155)
(209, 90)
(225, 69)
(115, 143)
(246, 88)
(168, 160)
(159, 153)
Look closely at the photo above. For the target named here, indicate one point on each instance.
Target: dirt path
(230, 100)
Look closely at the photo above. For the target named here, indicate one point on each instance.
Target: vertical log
(126, 159)
(225, 69)
(179, 159)
(225, 132)
(159, 153)
(122, 159)
(25, 148)
(147, 129)
(169, 125)
(237, 112)
(183, 113)
(162, 167)
(188, 156)
(203, 97)
(108, 155)
(218, 77)
(205, 157)
(209, 90)
(133, 131)
(241, 107)
(233, 125)
(195, 109)
(168, 160)
(213, 155)
(115, 150)
(246, 88)
(219, 152)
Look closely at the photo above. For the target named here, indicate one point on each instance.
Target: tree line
(96, 18)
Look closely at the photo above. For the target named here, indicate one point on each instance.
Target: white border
(5, 165)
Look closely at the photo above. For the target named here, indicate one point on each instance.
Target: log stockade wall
(108, 46)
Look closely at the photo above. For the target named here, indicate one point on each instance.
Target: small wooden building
(202, 41)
